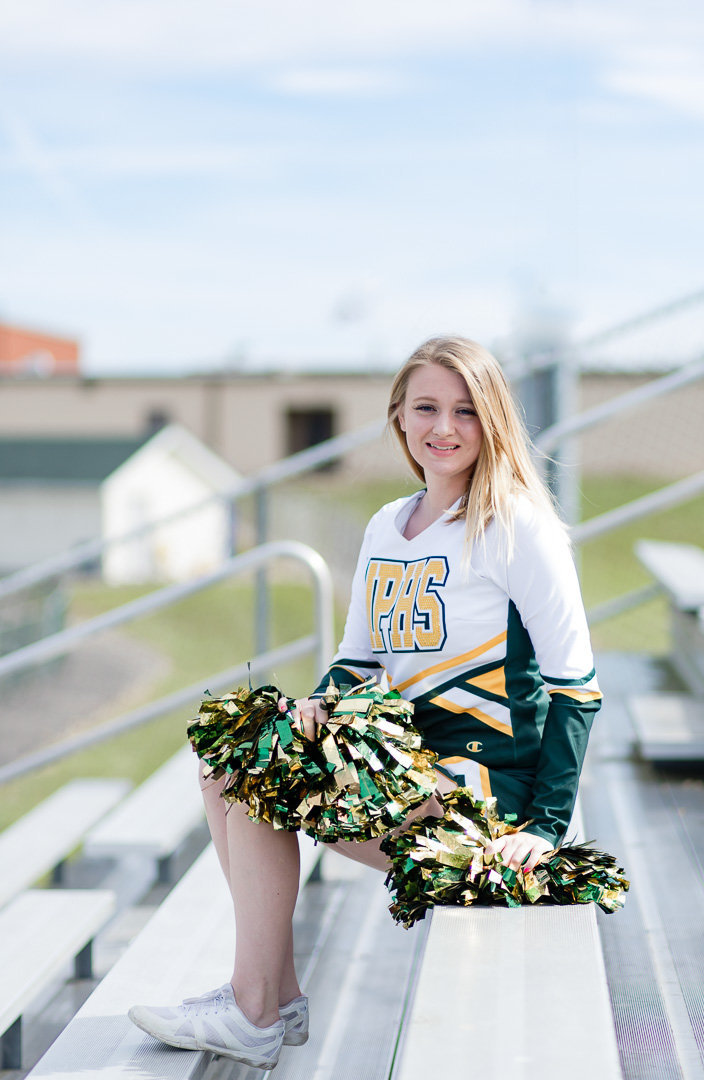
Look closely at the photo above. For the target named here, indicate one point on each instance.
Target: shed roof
(87, 460)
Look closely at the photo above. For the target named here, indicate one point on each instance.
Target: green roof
(69, 460)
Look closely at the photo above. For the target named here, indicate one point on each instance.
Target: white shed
(168, 474)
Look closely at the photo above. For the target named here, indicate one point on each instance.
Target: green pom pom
(443, 861)
(361, 778)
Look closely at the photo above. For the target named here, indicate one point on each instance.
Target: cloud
(337, 82)
(26, 153)
(182, 160)
(674, 78)
(183, 36)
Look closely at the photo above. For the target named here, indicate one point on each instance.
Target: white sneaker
(294, 1015)
(216, 1023)
(295, 1018)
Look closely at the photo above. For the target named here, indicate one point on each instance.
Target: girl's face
(442, 429)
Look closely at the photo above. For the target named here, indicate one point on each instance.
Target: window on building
(156, 420)
(308, 427)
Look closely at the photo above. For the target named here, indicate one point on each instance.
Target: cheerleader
(466, 599)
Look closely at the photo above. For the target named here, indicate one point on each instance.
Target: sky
(246, 183)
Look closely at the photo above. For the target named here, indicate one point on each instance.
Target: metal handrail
(549, 438)
(663, 499)
(221, 680)
(66, 641)
(619, 605)
(320, 643)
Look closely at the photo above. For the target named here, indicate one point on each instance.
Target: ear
(401, 421)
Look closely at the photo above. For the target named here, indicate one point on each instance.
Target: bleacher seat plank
(42, 838)
(157, 817)
(40, 932)
(669, 727)
(186, 948)
(512, 993)
(678, 567)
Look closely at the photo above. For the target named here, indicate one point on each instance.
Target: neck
(439, 496)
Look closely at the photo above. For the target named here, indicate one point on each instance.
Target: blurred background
(239, 222)
(224, 226)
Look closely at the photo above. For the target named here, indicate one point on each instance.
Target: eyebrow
(429, 397)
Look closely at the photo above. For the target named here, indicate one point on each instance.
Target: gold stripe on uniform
(451, 706)
(455, 662)
(494, 682)
(578, 695)
(486, 782)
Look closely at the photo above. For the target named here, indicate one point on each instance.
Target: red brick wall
(32, 353)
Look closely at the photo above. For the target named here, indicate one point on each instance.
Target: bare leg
(261, 867)
(370, 852)
(215, 808)
(264, 869)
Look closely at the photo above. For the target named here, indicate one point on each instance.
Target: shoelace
(191, 1005)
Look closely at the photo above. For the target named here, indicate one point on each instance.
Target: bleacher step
(668, 727)
(521, 1022)
(186, 948)
(48, 833)
(156, 818)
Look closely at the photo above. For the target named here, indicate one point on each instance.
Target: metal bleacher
(670, 726)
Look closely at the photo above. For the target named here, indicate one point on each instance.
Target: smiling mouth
(435, 446)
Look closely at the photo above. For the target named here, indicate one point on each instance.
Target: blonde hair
(504, 467)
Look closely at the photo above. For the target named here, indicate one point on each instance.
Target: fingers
(306, 716)
(520, 851)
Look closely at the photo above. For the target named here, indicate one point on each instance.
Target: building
(167, 476)
(31, 353)
(250, 421)
(49, 492)
(253, 420)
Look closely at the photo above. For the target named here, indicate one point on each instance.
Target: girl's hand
(308, 713)
(522, 850)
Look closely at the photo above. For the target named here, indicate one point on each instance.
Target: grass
(609, 567)
(205, 634)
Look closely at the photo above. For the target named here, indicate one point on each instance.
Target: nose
(444, 424)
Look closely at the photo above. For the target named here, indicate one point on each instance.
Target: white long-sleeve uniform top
(495, 655)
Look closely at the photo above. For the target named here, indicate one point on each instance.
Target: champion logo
(475, 747)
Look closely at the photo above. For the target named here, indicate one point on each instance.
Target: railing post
(232, 526)
(567, 460)
(262, 613)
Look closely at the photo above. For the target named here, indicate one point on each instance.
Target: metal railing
(552, 436)
(665, 498)
(319, 644)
